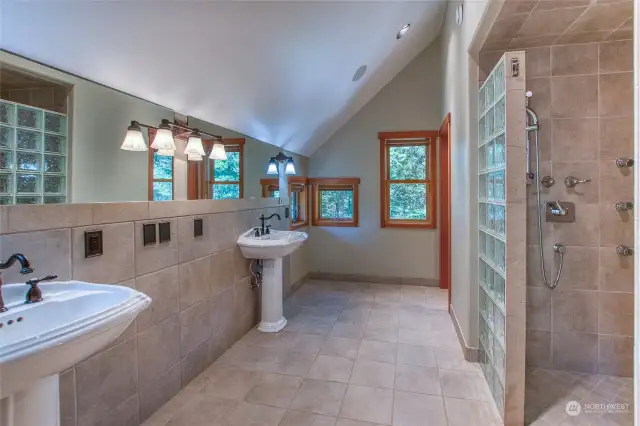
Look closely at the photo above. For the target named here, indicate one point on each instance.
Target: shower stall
(555, 233)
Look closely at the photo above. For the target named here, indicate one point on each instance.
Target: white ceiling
(277, 71)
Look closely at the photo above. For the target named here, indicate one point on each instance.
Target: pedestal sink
(39, 340)
(271, 248)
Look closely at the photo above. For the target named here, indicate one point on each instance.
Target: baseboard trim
(295, 286)
(362, 278)
(470, 354)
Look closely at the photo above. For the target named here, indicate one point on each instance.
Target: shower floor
(549, 391)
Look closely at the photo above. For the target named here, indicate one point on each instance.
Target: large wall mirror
(60, 140)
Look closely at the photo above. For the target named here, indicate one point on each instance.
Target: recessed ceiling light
(403, 31)
(359, 73)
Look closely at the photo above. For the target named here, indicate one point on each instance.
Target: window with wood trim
(298, 201)
(223, 179)
(334, 201)
(270, 188)
(160, 174)
(408, 179)
(297, 193)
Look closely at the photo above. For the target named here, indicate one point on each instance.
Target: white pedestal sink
(271, 249)
(38, 341)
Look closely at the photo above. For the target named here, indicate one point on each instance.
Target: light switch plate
(149, 234)
(198, 230)
(164, 232)
(92, 244)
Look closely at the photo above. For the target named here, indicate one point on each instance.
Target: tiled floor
(549, 391)
(352, 355)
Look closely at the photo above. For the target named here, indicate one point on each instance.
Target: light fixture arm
(171, 125)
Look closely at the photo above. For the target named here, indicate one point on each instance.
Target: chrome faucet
(25, 268)
(572, 181)
(263, 219)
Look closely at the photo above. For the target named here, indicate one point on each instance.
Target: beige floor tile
(332, 368)
(453, 359)
(300, 418)
(417, 379)
(464, 412)
(378, 351)
(382, 334)
(357, 316)
(380, 318)
(368, 404)
(413, 337)
(373, 373)
(231, 383)
(282, 339)
(462, 384)
(308, 342)
(412, 409)
(275, 390)
(292, 362)
(341, 346)
(203, 410)
(247, 414)
(424, 356)
(319, 397)
(348, 422)
(347, 329)
(317, 326)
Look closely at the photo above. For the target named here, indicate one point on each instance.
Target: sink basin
(38, 341)
(273, 246)
(270, 249)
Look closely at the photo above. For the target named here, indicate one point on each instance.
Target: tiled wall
(202, 300)
(583, 94)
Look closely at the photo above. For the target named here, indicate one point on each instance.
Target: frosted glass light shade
(194, 157)
(272, 168)
(290, 169)
(163, 140)
(134, 141)
(194, 145)
(166, 152)
(218, 152)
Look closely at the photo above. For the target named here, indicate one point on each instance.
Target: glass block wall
(492, 230)
(33, 155)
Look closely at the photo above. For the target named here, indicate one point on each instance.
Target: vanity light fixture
(194, 144)
(164, 137)
(218, 152)
(133, 139)
(272, 168)
(164, 144)
(403, 31)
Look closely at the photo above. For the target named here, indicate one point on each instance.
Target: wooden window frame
(423, 137)
(343, 184)
(230, 145)
(303, 183)
(269, 185)
(152, 134)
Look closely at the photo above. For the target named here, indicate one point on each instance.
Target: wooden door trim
(445, 206)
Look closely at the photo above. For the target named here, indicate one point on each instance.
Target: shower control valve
(572, 181)
(624, 162)
(623, 206)
(547, 181)
(624, 250)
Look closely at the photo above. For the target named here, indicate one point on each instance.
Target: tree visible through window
(335, 201)
(408, 198)
(224, 177)
(160, 174)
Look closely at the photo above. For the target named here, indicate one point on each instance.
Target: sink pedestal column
(272, 319)
(37, 405)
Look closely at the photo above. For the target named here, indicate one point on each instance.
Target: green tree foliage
(408, 200)
(227, 170)
(225, 191)
(336, 204)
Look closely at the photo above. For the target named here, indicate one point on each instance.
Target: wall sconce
(272, 168)
(164, 144)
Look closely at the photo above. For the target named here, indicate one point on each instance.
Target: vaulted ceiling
(277, 71)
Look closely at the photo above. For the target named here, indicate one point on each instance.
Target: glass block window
(33, 155)
(492, 230)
